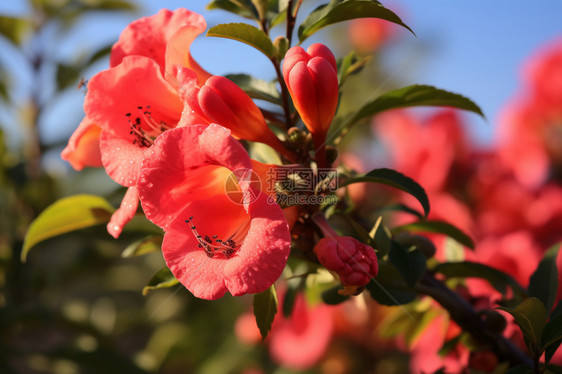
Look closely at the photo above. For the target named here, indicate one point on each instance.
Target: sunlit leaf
(242, 8)
(256, 88)
(162, 279)
(338, 11)
(148, 244)
(530, 315)
(414, 95)
(394, 179)
(466, 269)
(265, 308)
(66, 215)
(244, 33)
(438, 227)
(544, 281)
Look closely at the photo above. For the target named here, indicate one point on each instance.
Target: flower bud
(354, 262)
(228, 105)
(312, 80)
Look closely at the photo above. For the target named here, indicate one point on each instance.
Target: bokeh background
(76, 305)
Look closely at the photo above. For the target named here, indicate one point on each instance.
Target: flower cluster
(170, 132)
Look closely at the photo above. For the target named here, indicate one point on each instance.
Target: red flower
(83, 148)
(212, 244)
(300, 341)
(354, 262)
(222, 101)
(369, 34)
(165, 38)
(312, 80)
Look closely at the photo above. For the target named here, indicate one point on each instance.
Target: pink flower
(222, 101)
(312, 80)
(543, 74)
(354, 262)
(300, 341)
(369, 34)
(165, 38)
(424, 150)
(212, 244)
(138, 98)
(83, 148)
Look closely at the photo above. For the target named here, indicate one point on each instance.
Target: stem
(466, 317)
(284, 94)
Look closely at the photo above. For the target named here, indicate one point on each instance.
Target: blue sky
(471, 47)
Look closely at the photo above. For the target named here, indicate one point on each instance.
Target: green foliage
(389, 287)
(466, 269)
(66, 215)
(414, 95)
(530, 315)
(351, 64)
(256, 88)
(265, 308)
(544, 281)
(14, 29)
(148, 244)
(243, 8)
(437, 227)
(342, 10)
(394, 179)
(162, 279)
(410, 263)
(552, 336)
(244, 33)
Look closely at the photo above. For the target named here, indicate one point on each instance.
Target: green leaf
(414, 95)
(256, 88)
(265, 308)
(530, 315)
(332, 296)
(552, 333)
(466, 269)
(66, 215)
(388, 288)
(162, 279)
(67, 75)
(438, 227)
(381, 239)
(410, 264)
(148, 244)
(244, 33)
(242, 8)
(544, 281)
(338, 11)
(14, 29)
(403, 208)
(351, 64)
(395, 179)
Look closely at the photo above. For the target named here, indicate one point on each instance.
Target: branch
(467, 318)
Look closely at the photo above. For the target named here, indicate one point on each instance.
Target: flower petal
(121, 158)
(149, 36)
(83, 147)
(187, 164)
(262, 258)
(125, 213)
(136, 82)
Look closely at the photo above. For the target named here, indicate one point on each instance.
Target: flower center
(213, 245)
(144, 127)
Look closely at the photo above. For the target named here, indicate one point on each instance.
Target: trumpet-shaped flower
(165, 38)
(312, 80)
(83, 148)
(222, 101)
(212, 244)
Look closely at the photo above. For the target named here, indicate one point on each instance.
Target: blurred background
(76, 305)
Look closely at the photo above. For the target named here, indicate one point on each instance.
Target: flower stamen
(213, 245)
